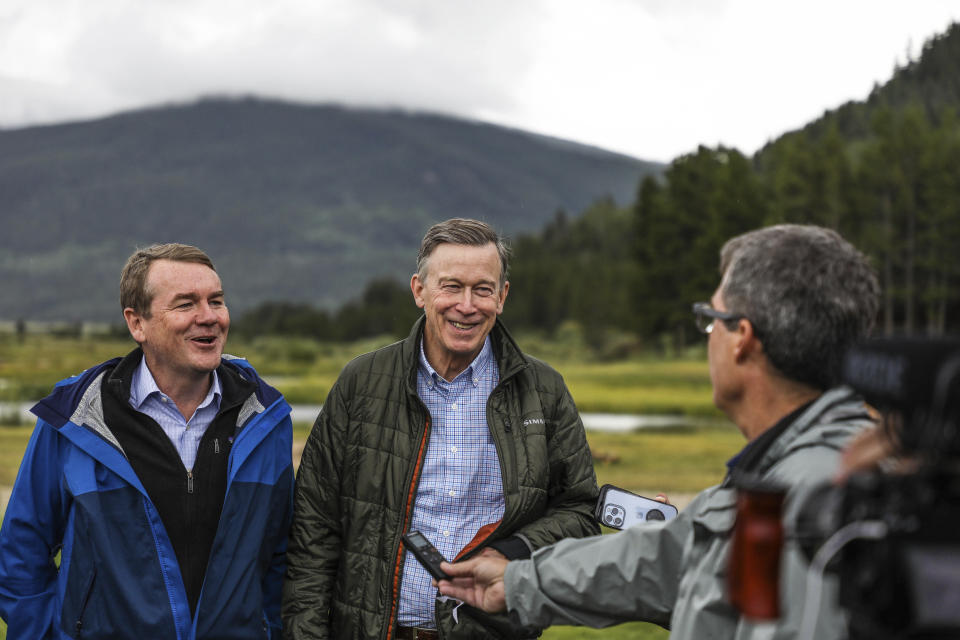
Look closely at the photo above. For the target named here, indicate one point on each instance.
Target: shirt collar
(475, 370)
(143, 385)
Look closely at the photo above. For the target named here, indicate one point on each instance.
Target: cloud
(114, 54)
(653, 78)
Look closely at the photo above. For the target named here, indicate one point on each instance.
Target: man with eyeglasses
(791, 300)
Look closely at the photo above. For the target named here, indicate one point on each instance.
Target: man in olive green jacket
(791, 299)
(376, 462)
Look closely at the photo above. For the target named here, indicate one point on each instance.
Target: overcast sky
(651, 78)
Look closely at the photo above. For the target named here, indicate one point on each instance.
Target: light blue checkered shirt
(460, 487)
(146, 397)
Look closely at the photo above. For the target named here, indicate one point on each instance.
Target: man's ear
(416, 286)
(503, 296)
(746, 343)
(134, 324)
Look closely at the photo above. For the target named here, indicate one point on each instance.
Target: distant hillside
(932, 82)
(293, 202)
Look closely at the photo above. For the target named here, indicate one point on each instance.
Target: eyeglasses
(705, 316)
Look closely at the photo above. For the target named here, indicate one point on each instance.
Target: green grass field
(304, 370)
(676, 461)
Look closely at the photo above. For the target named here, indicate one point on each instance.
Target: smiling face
(184, 335)
(461, 297)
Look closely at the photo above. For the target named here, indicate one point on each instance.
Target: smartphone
(620, 509)
(427, 554)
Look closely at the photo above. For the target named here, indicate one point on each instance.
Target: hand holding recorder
(477, 582)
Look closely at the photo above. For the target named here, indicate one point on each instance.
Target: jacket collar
(236, 389)
(840, 409)
(78, 400)
(510, 359)
(75, 409)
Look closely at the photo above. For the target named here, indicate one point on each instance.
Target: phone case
(620, 509)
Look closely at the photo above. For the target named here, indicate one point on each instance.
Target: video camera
(893, 539)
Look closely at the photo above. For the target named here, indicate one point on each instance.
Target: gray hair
(808, 293)
(134, 292)
(462, 231)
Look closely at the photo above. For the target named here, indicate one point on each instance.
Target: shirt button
(446, 533)
(453, 449)
(452, 494)
(454, 406)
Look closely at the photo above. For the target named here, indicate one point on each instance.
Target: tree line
(895, 195)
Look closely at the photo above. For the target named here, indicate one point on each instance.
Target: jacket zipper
(474, 545)
(86, 600)
(411, 492)
(407, 514)
(507, 428)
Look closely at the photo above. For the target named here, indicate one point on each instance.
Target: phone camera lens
(618, 521)
(655, 514)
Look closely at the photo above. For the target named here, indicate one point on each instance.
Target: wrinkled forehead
(174, 277)
(448, 256)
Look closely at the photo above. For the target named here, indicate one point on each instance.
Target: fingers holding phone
(621, 509)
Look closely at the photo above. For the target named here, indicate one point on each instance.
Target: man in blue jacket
(163, 479)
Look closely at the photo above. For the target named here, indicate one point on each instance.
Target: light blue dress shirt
(146, 397)
(461, 488)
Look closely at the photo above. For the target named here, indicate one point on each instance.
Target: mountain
(293, 202)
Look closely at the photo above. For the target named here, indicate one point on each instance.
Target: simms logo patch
(529, 421)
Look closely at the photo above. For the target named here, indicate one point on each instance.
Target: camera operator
(790, 301)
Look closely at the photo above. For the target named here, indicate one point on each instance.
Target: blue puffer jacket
(118, 576)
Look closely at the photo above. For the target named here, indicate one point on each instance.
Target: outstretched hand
(874, 448)
(477, 582)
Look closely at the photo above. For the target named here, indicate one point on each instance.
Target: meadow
(678, 461)
(304, 370)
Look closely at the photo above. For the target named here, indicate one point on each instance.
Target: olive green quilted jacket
(358, 479)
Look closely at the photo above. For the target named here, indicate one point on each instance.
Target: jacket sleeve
(273, 579)
(30, 537)
(602, 580)
(572, 491)
(313, 551)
